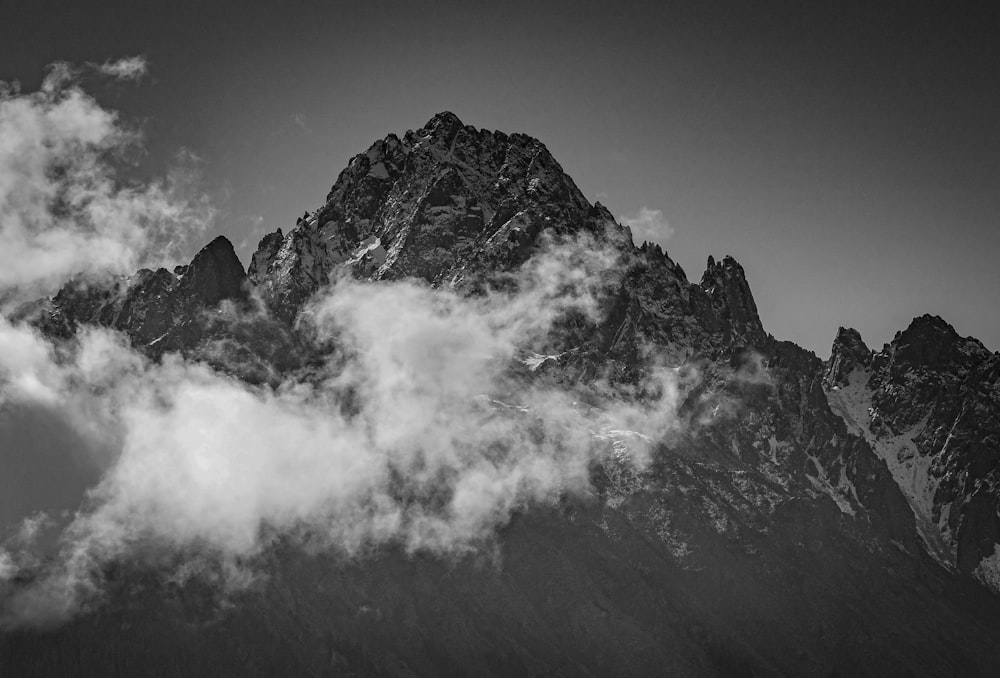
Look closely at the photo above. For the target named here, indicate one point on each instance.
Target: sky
(847, 154)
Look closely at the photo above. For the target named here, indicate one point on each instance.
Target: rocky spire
(215, 273)
(732, 302)
(849, 353)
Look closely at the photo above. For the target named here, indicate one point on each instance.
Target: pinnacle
(445, 124)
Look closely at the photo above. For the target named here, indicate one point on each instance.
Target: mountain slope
(928, 403)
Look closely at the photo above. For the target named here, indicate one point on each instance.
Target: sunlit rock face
(786, 525)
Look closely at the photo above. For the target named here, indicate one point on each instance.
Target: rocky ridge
(783, 500)
(928, 404)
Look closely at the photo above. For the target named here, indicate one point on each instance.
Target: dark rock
(159, 310)
(848, 354)
(215, 274)
(732, 308)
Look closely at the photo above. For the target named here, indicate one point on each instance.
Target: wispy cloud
(649, 225)
(128, 68)
(299, 120)
(64, 208)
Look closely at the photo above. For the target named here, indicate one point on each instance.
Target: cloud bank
(421, 430)
(424, 428)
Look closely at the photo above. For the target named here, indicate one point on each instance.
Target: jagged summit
(849, 337)
(926, 404)
(444, 125)
(451, 203)
(925, 328)
(428, 205)
(215, 273)
(159, 310)
(849, 353)
(730, 294)
(929, 342)
(765, 475)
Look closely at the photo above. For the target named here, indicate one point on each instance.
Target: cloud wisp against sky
(648, 225)
(128, 68)
(64, 209)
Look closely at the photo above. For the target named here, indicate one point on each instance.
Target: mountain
(927, 404)
(156, 309)
(808, 518)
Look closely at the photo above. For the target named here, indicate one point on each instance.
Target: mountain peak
(444, 124)
(926, 331)
(426, 206)
(849, 339)
(444, 118)
(930, 323)
(215, 273)
(930, 342)
(726, 284)
(849, 352)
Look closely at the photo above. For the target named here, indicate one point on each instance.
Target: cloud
(132, 68)
(299, 120)
(64, 207)
(425, 428)
(422, 430)
(648, 225)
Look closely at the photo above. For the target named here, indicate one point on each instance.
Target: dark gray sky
(848, 155)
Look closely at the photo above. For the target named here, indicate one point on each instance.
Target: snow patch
(988, 570)
(910, 469)
(371, 245)
(841, 493)
(535, 360)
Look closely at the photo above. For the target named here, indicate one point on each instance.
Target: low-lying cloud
(423, 428)
(420, 430)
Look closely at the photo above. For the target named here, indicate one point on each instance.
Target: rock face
(813, 518)
(425, 206)
(214, 274)
(848, 354)
(929, 404)
(158, 310)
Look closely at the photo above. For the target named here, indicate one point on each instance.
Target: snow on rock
(910, 469)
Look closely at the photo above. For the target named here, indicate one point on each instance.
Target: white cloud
(416, 432)
(64, 208)
(299, 120)
(127, 68)
(648, 225)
